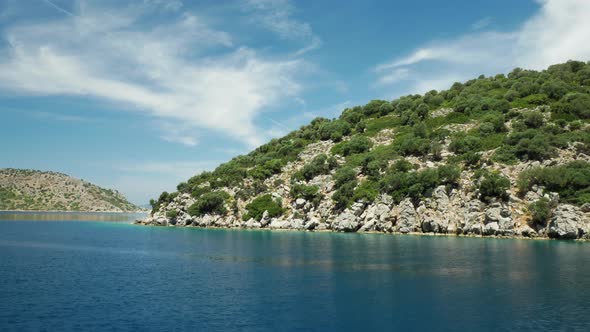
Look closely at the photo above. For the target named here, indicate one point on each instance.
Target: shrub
(577, 104)
(357, 144)
(209, 203)
(534, 119)
(493, 185)
(416, 185)
(319, 165)
(343, 195)
(540, 211)
(263, 203)
(172, 214)
(344, 175)
(309, 193)
(571, 181)
(367, 191)
(464, 144)
(334, 130)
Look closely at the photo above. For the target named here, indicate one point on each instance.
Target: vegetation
(571, 181)
(492, 185)
(540, 211)
(23, 189)
(504, 119)
(210, 203)
(263, 203)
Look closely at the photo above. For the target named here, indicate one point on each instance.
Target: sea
(100, 272)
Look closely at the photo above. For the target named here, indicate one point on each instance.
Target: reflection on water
(71, 216)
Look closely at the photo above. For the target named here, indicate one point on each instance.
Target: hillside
(505, 156)
(51, 191)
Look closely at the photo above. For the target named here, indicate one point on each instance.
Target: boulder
(265, 220)
(347, 221)
(491, 228)
(567, 222)
(407, 221)
(300, 203)
(252, 223)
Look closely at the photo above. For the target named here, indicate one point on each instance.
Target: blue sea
(63, 272)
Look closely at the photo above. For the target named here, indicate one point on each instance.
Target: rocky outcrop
(567, 223)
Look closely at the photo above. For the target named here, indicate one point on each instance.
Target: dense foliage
(571, 181)
(209, 203)
(523, 116)
(263, 203)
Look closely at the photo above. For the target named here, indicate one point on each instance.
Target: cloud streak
(182, 71)
(556, 33)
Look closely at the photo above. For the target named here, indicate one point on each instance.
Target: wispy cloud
(61, 117)
(182, 71)
(278, 16)
(556, 33)
(482, 23)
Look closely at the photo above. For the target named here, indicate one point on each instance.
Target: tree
(534, 120)
(263, 203)
(358, 144)
(209, 203)
(540, 211)
(493, 185)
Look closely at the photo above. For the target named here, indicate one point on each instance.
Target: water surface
(66, 276)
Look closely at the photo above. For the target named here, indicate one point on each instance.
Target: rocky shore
(443, 213)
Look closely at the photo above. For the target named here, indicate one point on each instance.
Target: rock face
(567, 223)
(456, 210)
(407, 221)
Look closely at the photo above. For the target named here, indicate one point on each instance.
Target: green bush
(367, 191)
(540, 211)
(493, 185)
(534, 119)
(358, 144)
(263, 203)
(401, 184)
(465, 143)
(344, 175)
(309, 193)
(342, 197)
(320, 164)
(172, 214)
(209, 203)
(571, 181)
(577, 104)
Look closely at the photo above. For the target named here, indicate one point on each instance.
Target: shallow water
(57, 275)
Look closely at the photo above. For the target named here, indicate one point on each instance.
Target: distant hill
(22, 189)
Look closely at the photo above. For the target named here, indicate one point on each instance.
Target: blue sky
(140, 95)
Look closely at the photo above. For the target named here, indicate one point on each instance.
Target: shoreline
(70, 211)
(505, 237)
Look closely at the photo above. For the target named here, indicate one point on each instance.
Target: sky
(140, 95)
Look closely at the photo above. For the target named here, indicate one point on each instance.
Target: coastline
(394, 233)
(70, 211)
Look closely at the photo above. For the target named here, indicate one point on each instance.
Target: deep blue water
(95, 276)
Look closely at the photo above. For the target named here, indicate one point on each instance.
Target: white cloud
(556, 33)
(482, 23)
(185, 72)
(277, 16)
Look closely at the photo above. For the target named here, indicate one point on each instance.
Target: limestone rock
(407, 221)
(347, 221)
(567, 222)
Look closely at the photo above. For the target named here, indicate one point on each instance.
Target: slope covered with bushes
(476, 137)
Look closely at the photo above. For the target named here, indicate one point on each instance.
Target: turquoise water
(95, 276)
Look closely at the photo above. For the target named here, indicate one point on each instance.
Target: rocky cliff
(495, 156)
(50, 191)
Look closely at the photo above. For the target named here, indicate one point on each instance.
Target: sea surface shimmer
(59, 275)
